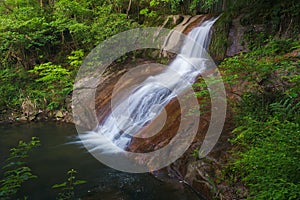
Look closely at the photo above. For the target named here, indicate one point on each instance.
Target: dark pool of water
(55, 157)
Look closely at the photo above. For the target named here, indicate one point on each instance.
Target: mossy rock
(219, 41)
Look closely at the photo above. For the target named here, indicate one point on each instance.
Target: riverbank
(59, 115)
(213, 176)
(58, 154)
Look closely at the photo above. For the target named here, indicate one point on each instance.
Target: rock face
(236, 34)
(175, 40)
(198, 174)
(202, 174)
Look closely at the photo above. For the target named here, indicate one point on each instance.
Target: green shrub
(36, 34)
(266, 139)
(16, 171)
(270, 164)
(67, 188)
(12, 82)
(55, 81)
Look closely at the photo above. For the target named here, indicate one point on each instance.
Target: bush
(266, 139)
(16, 171)
(67, 188)
(55, 81)
(36, 34)
(269, 165)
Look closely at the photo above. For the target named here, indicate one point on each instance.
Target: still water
(55, 157)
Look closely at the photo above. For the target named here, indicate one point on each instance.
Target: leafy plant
(11, 94)
(56, 82)
(206, 4)
(16, 171)
(266, 137)
(286, 109)
(264, 72)
(67, 188)
(76, 58)
(269, 166)
(36, 34)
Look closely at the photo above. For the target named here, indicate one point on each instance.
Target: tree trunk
(128, 8)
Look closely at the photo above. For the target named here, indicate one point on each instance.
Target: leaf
(79, 182)
(144, 11)
(61, 185)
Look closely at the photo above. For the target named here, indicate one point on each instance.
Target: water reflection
(55, 157)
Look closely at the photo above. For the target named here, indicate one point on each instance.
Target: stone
(31, 118)
(23, 118)
(177, 19)
(59, 114)
(236, 36)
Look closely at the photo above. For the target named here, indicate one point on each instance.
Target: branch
(128, 9)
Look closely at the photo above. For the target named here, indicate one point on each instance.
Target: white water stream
(147, 100)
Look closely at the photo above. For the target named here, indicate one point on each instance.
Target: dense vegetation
(267, 134)
(16, 171)
(42, 45)
(43, 42)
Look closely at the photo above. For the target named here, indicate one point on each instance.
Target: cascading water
(147, 100)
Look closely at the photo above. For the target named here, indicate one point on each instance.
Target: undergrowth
(266, 137)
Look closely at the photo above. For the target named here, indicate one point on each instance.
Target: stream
(56, 156)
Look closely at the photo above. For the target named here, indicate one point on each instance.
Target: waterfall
(146, 101)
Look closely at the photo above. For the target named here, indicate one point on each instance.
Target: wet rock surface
(236, 37)
(199, 174)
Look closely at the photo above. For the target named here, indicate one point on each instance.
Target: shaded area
(51, 161)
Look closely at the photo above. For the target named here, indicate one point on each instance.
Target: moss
(219, 40)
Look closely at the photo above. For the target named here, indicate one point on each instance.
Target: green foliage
(154, 8)
(200, 88)
(205, 4)
(269, 164)
(162, 7)
(76, 58)
(219, 39)
(30, 32)
(67, 188)
(56, 82)
(267, 133)
(50, 73)
(24, 31)
(196, 153)
(11, 83)
(266, 69)
(280, 46)
(35, 34)
(84, 27)
(286, 109)
(202, 94)
(16, 171)
(268, 18)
